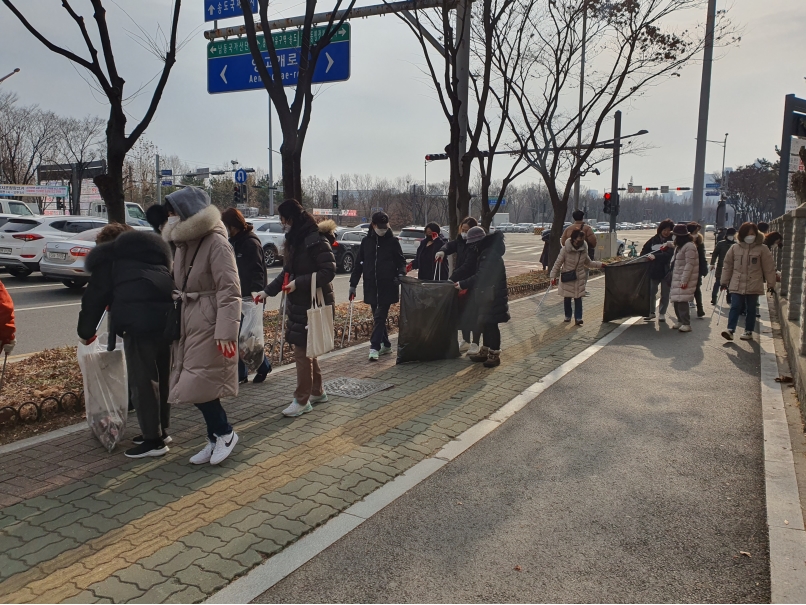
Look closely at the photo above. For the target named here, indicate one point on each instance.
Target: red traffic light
(436, 156)
(607, 196)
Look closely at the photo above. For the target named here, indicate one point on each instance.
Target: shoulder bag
(173, 321)
(320, 323)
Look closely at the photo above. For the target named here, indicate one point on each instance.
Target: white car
(410, 238)
(23, 239)
(270, 233)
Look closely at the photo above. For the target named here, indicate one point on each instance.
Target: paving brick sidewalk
(80, 525)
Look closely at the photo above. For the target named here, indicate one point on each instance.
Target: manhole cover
(355, 388)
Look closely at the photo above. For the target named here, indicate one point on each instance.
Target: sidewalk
(80, 525)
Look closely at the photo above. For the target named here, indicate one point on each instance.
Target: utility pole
(581, 98)
(463, 16)
(159, 182)
(614, 182)
(702, 123)
(271, 171)
(6, 77)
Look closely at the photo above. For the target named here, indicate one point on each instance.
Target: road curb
(784, 513)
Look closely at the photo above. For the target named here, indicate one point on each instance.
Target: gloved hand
(227, 348)
(9, 346)
(260, 297)
(439, 256)
(409, 267)
(352, 293)
(723, 288)
(290, 287)
(650, 256)
(554, 282)
(683, 286)
(85, 342)
(457, 286)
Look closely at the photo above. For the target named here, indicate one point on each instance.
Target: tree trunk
(560, 206)
(110, 185)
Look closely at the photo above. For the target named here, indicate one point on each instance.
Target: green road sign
(282, 40)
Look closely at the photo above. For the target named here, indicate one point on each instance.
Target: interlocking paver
(116, 590)
(206, 581)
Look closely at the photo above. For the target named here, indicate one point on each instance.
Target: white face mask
(749, 239)
(464, 235)
(172, 220)
(381, 232)
(730, 238)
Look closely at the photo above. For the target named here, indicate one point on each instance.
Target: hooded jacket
(685, 271)
(424, 260)
(306, 251)
(720, 250)
(250, 261)
(132, 276)
(748, 266)
(211, 307)
(488, 285)
(663, 257)
(381, 262)
(573, 259)
(459, 247)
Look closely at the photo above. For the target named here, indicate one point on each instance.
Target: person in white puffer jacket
(685, 274)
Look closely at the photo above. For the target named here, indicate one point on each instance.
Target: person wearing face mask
(205, 358)
(307, 252)
(718, 261)
(467, 318)
(573, 264)
(425, 260)
(694, 230)
(685, 275)
(380, 261)
(748, 265)
(659, 250)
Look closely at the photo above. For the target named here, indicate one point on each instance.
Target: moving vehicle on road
(23, 239)
(345, 248)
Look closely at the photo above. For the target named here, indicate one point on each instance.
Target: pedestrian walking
(659, 249)
(763, 228)
(130, 274)
(251, 265)
(748, 265)
(570, 273)
(774, 240)
(488, 285)
(590, 236)
(544, 255)
(685, 274)
(471, 337)
(425, 260)
(718, 261)
(380, 262)
(307, 252)
(702, 271)
(8, 330)
(205, 367)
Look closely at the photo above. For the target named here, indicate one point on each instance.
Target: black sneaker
(261, 377)
(243, 380)
(148, 449)
(727, 334)
(166, 438)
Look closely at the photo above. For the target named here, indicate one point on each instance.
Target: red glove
(434, 235)
(554, 282)
(227, 348)
(90, 340)
(408, 267)
(683, 286)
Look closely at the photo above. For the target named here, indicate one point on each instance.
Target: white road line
(52, 285)
(75, 304)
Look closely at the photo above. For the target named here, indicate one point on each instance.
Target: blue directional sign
(167, 172)
(240, 175)
(711, 193)
(224, 9)
(167, 183)
(492, 201)
(230, 67)
(712, 185)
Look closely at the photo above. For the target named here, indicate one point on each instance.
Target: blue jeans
(737, 302)
(577, 307)
(263, 369)
(215, 417)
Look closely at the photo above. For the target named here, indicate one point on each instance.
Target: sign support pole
(702, 126)
(614, 182)
(271, 171)
(159, 182)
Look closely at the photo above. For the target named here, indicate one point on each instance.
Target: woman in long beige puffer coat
(573, 257)
(685, 275)
(205, 365)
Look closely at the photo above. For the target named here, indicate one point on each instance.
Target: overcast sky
(385, 117)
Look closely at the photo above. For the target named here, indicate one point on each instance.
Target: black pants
(380, 333)
(492, 336)
(216, 419)
(698, 297)
(476, 336)
(148, 365)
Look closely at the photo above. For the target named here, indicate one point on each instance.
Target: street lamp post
(581, 98)
(721, 207)
(7, 76)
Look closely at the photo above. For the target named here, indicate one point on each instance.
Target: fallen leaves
(783, 378)
(517, 568)
(745, 553)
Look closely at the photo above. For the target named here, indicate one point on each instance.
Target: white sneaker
(318, 398)
(373, 355)
(746, 336)
(685, 328)
(650, 317)
(676, 325)
(223, 447)
(295, 409)
(464, 347)
(662, 317)
(473, 350)
(203, 457)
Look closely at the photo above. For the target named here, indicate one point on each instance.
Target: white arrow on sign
(342, 31)
(212, 10)
(223, 76)
(329, 63)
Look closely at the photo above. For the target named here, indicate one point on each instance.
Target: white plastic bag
(106, 392)
(250, 340)
(320, 323)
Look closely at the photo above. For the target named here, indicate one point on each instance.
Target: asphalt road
(590, 494)
(47, 312)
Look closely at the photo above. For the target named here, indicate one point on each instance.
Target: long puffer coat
(307, 251)
(573, 259)
(132, 276)
(663, 257)
(488, 285)
(380, 261)
(424, 260)
(460, 248)
(748, 266)
(468, 308)
(685, 270)
(211, 309)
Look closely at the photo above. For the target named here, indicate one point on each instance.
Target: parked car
(709, 228)
(23, 239)
(345, 248)
(270, 233)
(410, 238)
(135, 216)
(17, 208)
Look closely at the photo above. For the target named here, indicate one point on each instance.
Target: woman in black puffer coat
(465, 266)
(489, 288)
(425, 261)
(306, 252)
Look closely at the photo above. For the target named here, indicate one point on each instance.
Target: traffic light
(335, 200)
(607, 203)
(436, 156)
(59, 204)
(236, 195)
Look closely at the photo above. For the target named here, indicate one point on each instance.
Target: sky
(386, 117)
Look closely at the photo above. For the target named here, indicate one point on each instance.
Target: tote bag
(320, 323)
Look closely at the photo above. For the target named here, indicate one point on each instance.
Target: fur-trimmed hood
(570, 247)
(698, 239)
(131, 245)
(195, 227)
(328, 227)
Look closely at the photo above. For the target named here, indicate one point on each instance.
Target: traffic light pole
(614, 182)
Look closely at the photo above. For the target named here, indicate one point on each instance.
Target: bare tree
(27, 139)
(118, 143)
(79, 143)
(633, 44)
(294, 118)
(752, 191)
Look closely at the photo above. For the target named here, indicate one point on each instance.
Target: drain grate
(355, 388)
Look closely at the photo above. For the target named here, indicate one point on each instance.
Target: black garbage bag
(627, 290)
(429, 320)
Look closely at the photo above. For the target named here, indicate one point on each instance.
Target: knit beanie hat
(476, 234)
